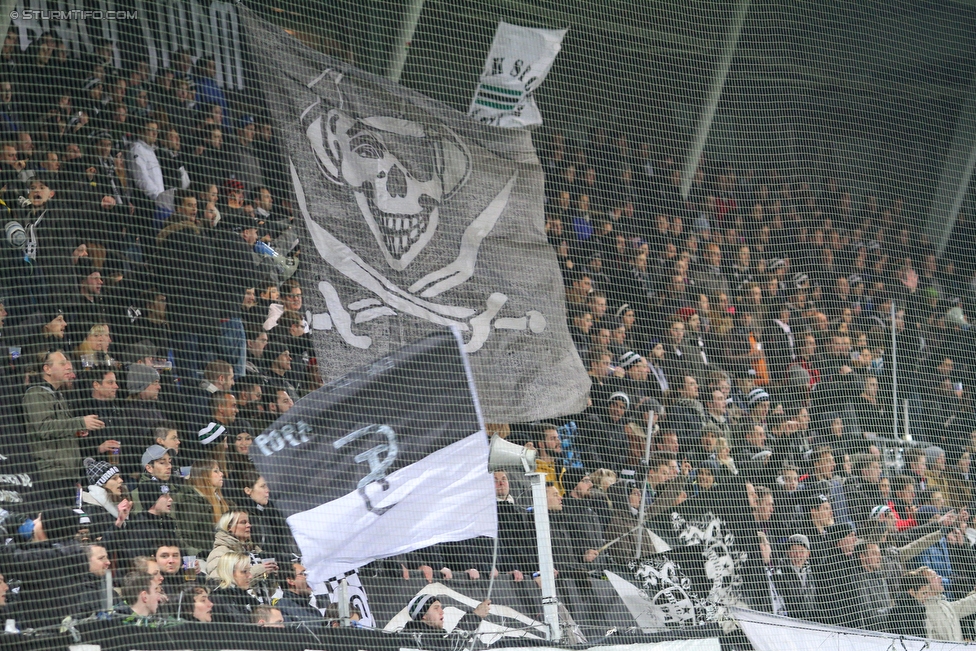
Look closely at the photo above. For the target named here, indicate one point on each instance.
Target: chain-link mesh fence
(713, 291)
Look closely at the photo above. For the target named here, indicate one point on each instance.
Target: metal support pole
(645, 463)
(714, 95)
(109, 593)
(409, 25)
(547, 571)
(343, 602)
(894, 375)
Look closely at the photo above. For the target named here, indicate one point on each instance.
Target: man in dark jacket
(142, 416)
(237, 272)
(294, 602)
(50, 567)
(158, 465)
(516, 540)
(101, 386)
(873, 596)
(834, 566)
(144, 530)
(794, 579)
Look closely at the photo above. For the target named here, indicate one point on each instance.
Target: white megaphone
(503, 454)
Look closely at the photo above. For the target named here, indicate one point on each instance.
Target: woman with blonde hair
(93, 351)
(199, 505)
(234, 536)
(231, 600)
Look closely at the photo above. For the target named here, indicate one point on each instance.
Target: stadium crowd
(738, 341)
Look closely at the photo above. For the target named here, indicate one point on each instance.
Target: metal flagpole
(894, 375)
(645, 462)
(540, 511)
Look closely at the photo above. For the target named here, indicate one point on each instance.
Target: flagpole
(645, 462)
(540, 511)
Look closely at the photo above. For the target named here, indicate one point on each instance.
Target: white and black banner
(775, 633)
(391, 458)
(413, 215)
(504, 622)
(517, 64)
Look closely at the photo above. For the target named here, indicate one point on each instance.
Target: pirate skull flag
(413, 214)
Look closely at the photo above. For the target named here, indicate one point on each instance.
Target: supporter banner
(503, 622)
(413, 215)
(776, 633)
(355, 593)
(390, 458)
(517, 64)
(689, 583)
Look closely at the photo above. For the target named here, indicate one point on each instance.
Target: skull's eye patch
(365, 145)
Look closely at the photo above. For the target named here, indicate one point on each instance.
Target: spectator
(238, 271)
(903, 505)
(198, 598)
(143, 598)
(294, 602)
(794, 579)
(232, 603)
(157, 464)
(264, 615)
(170, 564)
(107, 497)
(199, 506)
(247, 168)
(167, 436)
(218, 376)
(275, 401)
(921, 609)
(687, 416)
(270, 531)
(91, 589)
(224, 426)
(144, 529)
(144, 170)
(234, 536)
(142, 416)
(52, 431)
(873, 594)
(427, 615)
(102, 387)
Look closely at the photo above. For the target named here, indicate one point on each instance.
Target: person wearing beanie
(426, 614)
(636, 374)
(605, 443)
(143, 414)
(142, 381)
(793, 579)
(107, 499)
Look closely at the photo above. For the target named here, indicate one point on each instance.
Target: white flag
(517, 64)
